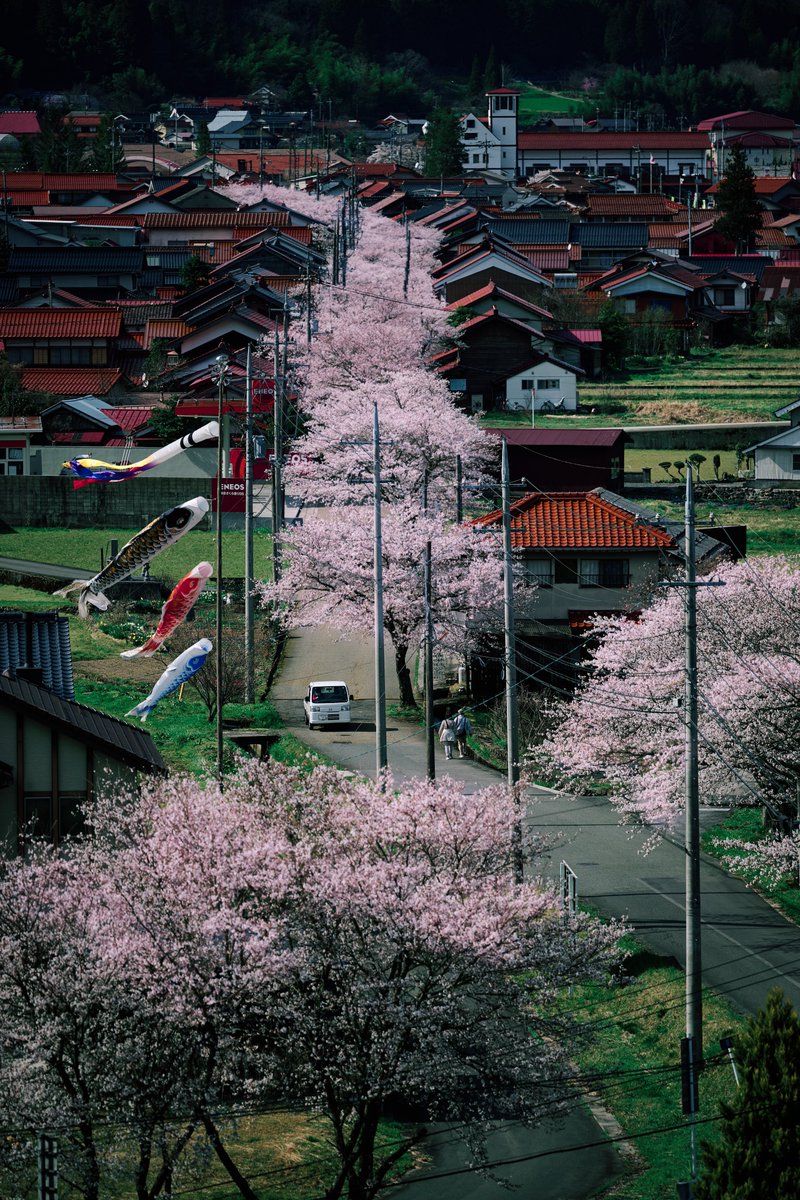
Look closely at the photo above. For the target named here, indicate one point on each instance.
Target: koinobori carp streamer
(164, 531)
(179, 670)
(181, 600)
(92, 470)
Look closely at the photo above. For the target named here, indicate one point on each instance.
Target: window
(12, 460)
(539, 571)
(725, 297)
(566, 280)
(547, 384)
(470, 123)
(628, 306)
(796, 462)
(604, 572)
(527, 385)
(476, 158)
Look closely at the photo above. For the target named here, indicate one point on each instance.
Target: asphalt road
(747, 947)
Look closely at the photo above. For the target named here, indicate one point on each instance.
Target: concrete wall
(52, 502)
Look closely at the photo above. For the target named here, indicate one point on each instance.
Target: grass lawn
(635, 460)
(82, 547)
(747, 824)
(771, 530)
(634, 1069)
(534, 102)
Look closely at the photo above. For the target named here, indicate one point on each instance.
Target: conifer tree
(444, 151)
(759, 1154)
(736, 198)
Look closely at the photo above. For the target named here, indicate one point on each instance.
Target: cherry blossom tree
(303, 938)
(626, 724)
(328, 578)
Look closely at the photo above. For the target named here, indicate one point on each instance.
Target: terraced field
(737, 384)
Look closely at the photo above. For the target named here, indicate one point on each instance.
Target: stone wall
(53, 503)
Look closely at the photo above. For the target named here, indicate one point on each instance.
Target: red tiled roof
(491, 289)
(627, 205)
(60, 323)
(42, 180)
(71, 381)
(20, 199)
(765, 185)
(166, 330)
(589, 337)
(576, 520)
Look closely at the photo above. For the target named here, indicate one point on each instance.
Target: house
(500, 362)
(778, 457)
(628, 154)
(768, 141)
(591, 553)
(55, 755)
(16, 434)
(101, 271)
(557, 460)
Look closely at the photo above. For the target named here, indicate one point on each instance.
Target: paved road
(49, 570)
(747, 946)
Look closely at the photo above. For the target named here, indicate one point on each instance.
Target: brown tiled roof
(626, 205)
(60, 323)
(646, 143)
(576, 520)
(71, 381)
(43, 181)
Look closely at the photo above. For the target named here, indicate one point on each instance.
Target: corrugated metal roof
(129, 417)
(45, 181)
(113, 737)
(516, 436)
(60, 323)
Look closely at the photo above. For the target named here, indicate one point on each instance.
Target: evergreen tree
(106, 153)
(491, 74)
(444, 151)
(203, 142)
(616, 334)
(736, 197)
(758, 1157)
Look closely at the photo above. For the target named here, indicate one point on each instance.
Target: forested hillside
(368, 51)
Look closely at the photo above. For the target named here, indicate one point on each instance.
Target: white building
(490, 143)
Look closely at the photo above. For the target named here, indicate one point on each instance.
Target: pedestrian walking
(447, 735)
(463, 729)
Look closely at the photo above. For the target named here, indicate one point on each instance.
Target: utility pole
(510, 663)
(430, 754)
(248, 534)
(381, 757)
(694, 982)
(221, 367)
(459, 492)
(277, 454)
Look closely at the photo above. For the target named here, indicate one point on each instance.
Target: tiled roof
(576, 520)
(491, 290)
(70, 381)
(166, 330)
(744, 264)
(81, 260)
(626, 205)
(116, 738)
(44, 181)
(549, 260)
(516, 435)
(39, 640)
(616, 234)
(541, 230)
(20, 199)
(20, 425)
(60, 323)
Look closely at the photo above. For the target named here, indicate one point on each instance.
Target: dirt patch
(122, 670)
(680, 412)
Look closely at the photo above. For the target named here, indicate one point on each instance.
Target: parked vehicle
(326, 702)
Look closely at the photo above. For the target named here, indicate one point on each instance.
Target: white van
(326, 702)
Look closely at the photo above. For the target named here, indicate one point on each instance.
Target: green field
(769, 530)
(82, 548)
(717, 386)
(536, 102)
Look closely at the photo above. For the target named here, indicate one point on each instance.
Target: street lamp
(220, 375)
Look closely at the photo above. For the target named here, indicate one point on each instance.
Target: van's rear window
(329, 695)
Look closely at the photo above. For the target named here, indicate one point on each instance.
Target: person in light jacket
(447, 736)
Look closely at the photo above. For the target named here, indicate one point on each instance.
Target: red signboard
(231, 495)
